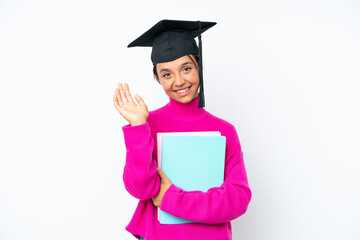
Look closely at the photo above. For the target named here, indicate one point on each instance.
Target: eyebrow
(183, 64)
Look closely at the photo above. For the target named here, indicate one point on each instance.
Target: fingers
(122, 93)
(117, 98)
(116, 103)
(156, 202)
(140, 100)
(128, 95)
(123, 96)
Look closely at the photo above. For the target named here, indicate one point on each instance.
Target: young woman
(178, 68)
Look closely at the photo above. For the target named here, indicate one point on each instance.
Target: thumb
(162, 175)
(139, 100)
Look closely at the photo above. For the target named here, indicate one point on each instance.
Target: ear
(157, 79)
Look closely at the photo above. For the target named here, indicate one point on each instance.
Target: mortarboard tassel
(201, 84)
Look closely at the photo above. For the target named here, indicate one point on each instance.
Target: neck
(186, 111)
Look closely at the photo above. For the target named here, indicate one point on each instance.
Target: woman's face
(178, 75)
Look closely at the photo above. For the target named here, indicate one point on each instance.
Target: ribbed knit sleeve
(218, 204)
(140, 176)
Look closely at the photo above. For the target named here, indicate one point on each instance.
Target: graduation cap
(172, 39)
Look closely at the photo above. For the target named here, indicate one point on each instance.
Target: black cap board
(172, 39)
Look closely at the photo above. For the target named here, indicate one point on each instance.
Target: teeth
(181, 91)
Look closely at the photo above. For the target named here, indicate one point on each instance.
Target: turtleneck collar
(185, 111)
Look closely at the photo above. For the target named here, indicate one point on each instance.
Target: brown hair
(156, 76)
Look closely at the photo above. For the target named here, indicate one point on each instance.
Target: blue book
(193, 163)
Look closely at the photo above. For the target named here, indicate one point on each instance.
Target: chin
(185, 99)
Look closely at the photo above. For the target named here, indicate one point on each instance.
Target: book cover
(193, 163)
(159, 144)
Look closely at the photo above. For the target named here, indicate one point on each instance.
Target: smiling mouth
(186, 89)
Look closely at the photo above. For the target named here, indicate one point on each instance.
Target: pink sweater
(214, 208)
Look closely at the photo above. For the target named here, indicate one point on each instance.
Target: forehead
(177, 62)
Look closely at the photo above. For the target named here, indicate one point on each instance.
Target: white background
(285, 73)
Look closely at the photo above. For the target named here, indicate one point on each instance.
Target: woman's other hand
(124, 103)
(165, 184)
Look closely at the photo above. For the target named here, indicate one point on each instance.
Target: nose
(179, 80)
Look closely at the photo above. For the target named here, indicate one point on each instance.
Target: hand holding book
(199, 168)
(165, 184)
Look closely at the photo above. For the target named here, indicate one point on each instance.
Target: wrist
(137, 123)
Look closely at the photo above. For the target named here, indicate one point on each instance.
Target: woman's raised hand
(124, 103)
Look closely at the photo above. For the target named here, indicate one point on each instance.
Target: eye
(166, 75)
(186, 69)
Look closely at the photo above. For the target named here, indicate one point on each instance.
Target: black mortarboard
(171, 39)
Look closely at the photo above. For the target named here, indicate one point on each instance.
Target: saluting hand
(165, 184)
(124, 103)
